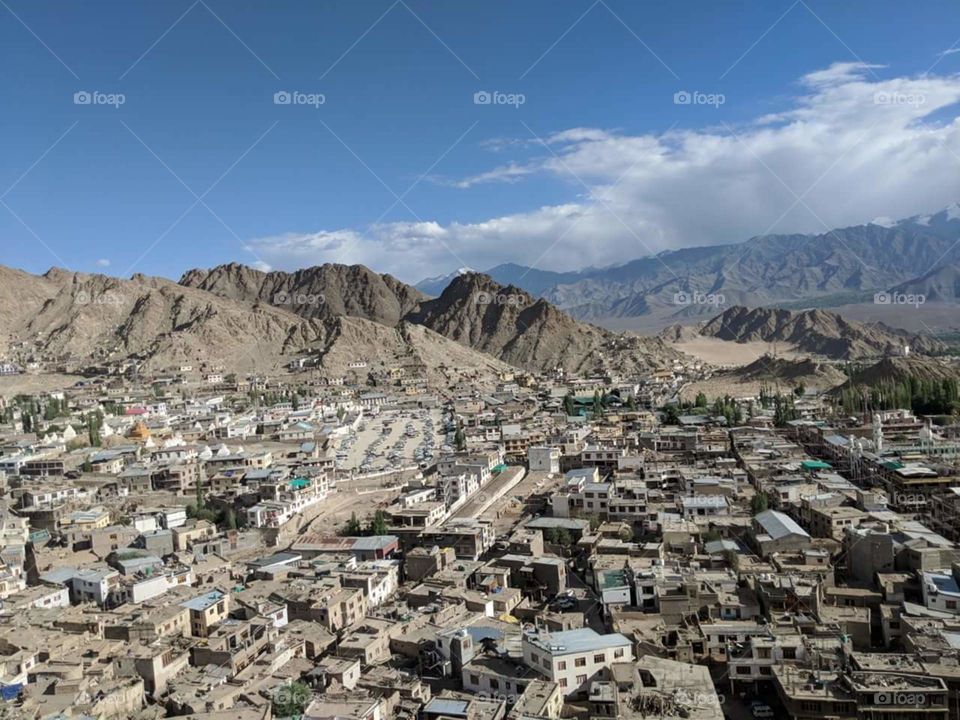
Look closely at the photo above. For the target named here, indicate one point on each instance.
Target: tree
(733, 559)
(671, 415)
(569, 404)
(27, 423)
(631, 402)
(460, 438)
(597, 403)
(564, 537)
(800, 389)
(290, 700)
(711, 535)
(378, 526)
(94, 423)
(341, 413)
(701, 400)
(759, 502)
(353, 527)
(201, 502)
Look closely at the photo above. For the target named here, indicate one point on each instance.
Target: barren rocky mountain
(512, 325)
(473, 310)
(322, 291)
(442, 360)
(778, 374)
(898, 369)
(807, 371)
(247, 320)
(942, 284)
(815, 331)
(679, 333)
(84, 318)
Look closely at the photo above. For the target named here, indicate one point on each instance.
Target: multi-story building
(574, 658)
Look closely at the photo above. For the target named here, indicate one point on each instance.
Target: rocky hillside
(510, 324)
(899, 369)
(807, 371)
(475, 311)
(324, 291)
(942, 284)
(814, 331)
(85, 318)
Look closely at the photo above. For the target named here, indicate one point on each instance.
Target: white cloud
(103, 262)
(949, 51)
(852, 146)
(512, 172)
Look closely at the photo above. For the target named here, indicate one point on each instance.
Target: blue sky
(587, 156)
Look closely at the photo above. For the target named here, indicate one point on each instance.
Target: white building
(544, 459)
(941, 591)
(574, 658)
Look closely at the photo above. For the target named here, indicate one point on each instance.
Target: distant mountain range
(245, 319)
(917, 255)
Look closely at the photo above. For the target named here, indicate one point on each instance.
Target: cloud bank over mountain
(849, 147)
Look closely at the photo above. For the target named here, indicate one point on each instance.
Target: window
(743, 669)
(546, 663)
(618, 653)
(581, 679)
(563, 682)
(474, 680)
(580, 662)
(789, 653)
(494, 684)
(599, 658)
(562, 665)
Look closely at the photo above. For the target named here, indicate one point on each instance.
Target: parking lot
(392, 438)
